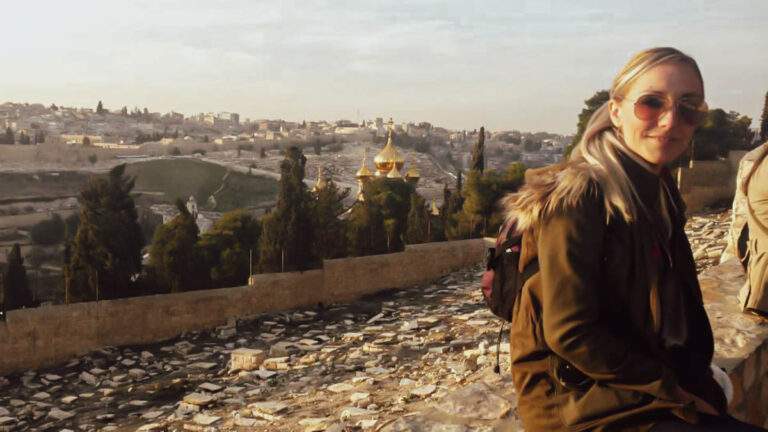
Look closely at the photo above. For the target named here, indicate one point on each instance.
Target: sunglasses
(651, 107)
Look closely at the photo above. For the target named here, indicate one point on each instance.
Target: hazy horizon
(525, 65)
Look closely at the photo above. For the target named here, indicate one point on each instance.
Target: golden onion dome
(363, 172)
(434, 210)
(413, 173)
(394, 173)
(388, 157)
(321, 182)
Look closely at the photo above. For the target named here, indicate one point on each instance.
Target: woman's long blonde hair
(600, 142)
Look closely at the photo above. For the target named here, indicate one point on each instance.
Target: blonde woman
(611, 333)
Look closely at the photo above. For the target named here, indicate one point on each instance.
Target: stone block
(198, 399)
(246, 359)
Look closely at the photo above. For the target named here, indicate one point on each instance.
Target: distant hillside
(181, 178)
(161, 180)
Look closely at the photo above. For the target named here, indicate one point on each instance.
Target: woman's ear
(613, 109)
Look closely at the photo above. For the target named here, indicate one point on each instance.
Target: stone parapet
(45, 336)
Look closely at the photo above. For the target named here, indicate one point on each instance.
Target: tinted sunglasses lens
(693, 116)
(649, 107)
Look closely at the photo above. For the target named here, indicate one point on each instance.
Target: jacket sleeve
(570, 246)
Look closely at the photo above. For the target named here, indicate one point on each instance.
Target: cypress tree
(226, 248)
(330, 231)
(290, 225)
(106, 251)
(478, 153)
(10, 138)
(417, 221)
(478, 215)
(365, 230)
(392, 199)
(173, 255)
(16, 294)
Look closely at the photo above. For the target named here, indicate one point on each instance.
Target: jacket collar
(646, 182)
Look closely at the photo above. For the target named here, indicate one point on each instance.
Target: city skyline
(507, 65)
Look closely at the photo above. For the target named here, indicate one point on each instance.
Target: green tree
(10, 138)
(100, 108)
(206, 139)
(316, 145)
(453, 201)
(106, 251)
(478, 152)
(24, 138)
(290, 225)
(92, 158)
(329, 231)
(86, 141)
(592, 104)
(48, 232)
(720, 133)
(173, 255)
(392, 199)
(124, 111)
(478, 216)
(764, 121)
(16, 293)
(39, 137)
(174, 151)
(417, 221)
(365, 230)
(228, 248)
(149, 221)
(262, 153)
(71, 223)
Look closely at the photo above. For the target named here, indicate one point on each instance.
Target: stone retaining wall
(708, 182)
(45, 336)
(741, 342)
(349, 278)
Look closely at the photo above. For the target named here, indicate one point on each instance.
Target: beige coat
(756, 191)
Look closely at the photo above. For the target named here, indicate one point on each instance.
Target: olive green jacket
(586, 345)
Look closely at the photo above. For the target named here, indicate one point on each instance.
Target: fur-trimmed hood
(551, 189)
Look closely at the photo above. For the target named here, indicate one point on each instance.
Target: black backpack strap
(530, 269)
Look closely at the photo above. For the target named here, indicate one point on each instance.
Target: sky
(509, 64)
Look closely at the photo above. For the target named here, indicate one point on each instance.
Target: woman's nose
(669, 118)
